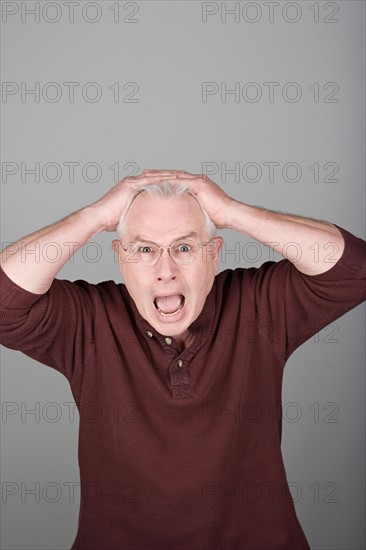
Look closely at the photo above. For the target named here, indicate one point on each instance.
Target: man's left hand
(212, 197)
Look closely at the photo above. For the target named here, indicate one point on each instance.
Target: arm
(56, 322)
(296, 238)
(26, 263)
(304, 241)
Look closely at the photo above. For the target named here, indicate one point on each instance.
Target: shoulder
(234, 278)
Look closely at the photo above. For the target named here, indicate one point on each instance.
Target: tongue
(168, 304)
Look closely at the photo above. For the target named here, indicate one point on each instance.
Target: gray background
(168, 51)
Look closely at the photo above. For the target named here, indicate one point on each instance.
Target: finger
(148, 177)
(175, 174)
(165, 171)
(180, 174)
(152, 170)
(160, 177)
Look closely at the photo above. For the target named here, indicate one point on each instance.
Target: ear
(218, 242)
(117, 246)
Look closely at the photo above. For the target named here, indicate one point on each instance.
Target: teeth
(173, 312)
(170, 314)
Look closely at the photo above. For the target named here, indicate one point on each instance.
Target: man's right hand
(110, 206)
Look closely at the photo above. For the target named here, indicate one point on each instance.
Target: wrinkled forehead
(154, 218)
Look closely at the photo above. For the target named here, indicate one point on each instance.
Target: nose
(166, 269)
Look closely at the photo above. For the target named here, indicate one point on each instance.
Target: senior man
(183, 365)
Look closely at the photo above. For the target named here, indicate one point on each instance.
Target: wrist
(94, 217)
(236, 214)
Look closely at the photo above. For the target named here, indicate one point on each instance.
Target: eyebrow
(139, 238)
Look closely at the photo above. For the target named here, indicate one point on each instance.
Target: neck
(184, 340)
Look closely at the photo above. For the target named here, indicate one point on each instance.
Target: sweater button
(149, 334)
(180, 363)
(168, 340)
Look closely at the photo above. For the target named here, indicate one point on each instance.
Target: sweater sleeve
(291, 306)
(56, 328)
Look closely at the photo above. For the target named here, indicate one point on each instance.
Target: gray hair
(166, 190)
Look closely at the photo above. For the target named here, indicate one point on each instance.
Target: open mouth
(168, 306)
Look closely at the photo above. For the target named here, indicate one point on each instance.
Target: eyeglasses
(181, 251)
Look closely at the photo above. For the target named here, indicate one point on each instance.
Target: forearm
(314, 246)
(33, 261)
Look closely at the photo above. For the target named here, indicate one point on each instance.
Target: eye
(184, 248)
(145, 249)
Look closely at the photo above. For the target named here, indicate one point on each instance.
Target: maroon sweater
(181, 450)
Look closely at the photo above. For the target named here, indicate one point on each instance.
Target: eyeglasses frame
(161, 248)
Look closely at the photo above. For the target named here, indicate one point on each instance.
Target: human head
(169, 296)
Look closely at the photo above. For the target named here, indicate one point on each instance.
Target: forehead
(162, 218)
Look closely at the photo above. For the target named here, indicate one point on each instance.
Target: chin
(170, 328)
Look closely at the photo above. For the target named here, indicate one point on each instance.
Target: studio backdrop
(267, 99)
